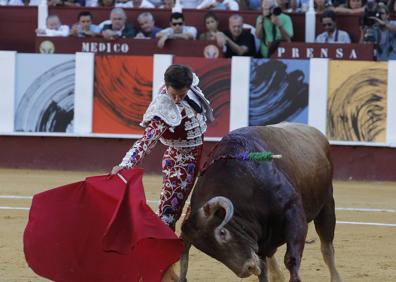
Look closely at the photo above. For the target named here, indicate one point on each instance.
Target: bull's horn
(213, 204)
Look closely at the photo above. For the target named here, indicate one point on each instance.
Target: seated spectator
(302, 6)
(383, 34)
(283, 4)
(250, 5)
(91, 3)
(177, 30)
(68, 3)
(167, 4)
(84, 27)
(219, 5)
(74, 3)
(298, 6)
(236, 41)
(147, 28)
(106, 3)
(351, 7)
(321, 5)
(212, 25)
(134, 4)
(156, 3)
(392, 6)
(53, 27)
(331, 33)
(20, 3)
(272, 27)
(119, 28)
(189, 4)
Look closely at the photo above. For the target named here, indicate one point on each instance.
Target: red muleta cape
(100, 229)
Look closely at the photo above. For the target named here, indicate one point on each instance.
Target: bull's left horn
(213, 204)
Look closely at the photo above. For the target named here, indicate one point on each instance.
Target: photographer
(272, 27)
(378, 29)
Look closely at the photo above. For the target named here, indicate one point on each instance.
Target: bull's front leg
(184, 261)
(263, 277)
(295, 233)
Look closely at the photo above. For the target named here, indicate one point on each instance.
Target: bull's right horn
(211, 206)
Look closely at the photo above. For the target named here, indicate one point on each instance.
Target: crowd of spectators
(273, 24)
(339, 6)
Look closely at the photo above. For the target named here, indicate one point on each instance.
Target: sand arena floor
(363, 252)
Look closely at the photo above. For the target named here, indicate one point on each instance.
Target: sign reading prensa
(296, 50)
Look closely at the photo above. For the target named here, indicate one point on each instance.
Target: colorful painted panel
(215, 82)
(357, 101)
(122, 93)
(278, 91)
(44, 100)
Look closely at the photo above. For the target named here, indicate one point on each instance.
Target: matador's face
(177, 95)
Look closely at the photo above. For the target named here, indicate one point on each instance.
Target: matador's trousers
(180, 167)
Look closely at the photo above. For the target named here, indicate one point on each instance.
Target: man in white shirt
(177, 30)
(54, 27)
(231, 5)
(331, 33)
(134, 4)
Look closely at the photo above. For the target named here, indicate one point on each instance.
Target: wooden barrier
(76, 153)
(17, 28)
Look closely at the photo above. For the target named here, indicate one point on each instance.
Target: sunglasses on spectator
(178, 23)
(327, 24)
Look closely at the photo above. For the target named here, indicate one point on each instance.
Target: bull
(242, 211)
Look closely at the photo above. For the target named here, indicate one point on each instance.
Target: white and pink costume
(181, 128)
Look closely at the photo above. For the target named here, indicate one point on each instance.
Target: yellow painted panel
(357, 101)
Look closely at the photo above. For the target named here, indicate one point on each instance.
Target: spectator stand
(18, 24)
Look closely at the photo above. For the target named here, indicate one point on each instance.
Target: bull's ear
(206, 210)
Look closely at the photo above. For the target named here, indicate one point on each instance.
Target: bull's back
(305, 160)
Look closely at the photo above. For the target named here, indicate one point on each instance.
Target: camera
(276, 11)
(370, 26)
(371, 11)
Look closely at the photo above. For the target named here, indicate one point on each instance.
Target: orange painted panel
(122, 93)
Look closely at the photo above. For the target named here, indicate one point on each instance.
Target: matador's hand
(116, 169)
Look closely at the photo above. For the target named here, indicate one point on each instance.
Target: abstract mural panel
(122, 93)
(44, 100)
(357, 101)
(215, 82)
(278, 91)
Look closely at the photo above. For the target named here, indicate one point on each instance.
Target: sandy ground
(363, 252)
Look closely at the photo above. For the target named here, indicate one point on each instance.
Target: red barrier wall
(17, 28)
(73, 153)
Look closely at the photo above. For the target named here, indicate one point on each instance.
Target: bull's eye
(222, 233)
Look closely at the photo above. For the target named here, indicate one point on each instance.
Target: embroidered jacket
(175, 125)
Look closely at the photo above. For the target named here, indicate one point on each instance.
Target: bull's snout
(250, 267)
